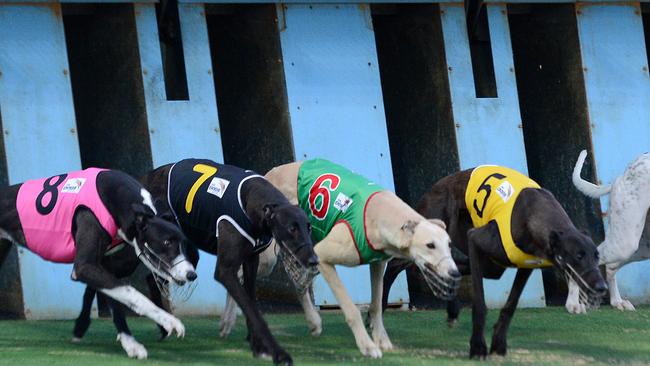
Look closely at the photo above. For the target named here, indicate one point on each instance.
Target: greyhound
(390, 227)
(628, 236)
(76, 217)
(541, 231)
(234, 214)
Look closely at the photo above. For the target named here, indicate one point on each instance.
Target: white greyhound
(394, 228)
(625, 239)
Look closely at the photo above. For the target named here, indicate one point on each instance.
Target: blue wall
(336, 110)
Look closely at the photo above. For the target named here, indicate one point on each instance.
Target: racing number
(53, 190)
(206, 172)
(318, 190)
(488, 190)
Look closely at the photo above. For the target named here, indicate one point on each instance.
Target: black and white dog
(234, 214)
(93, 210)
(538, 226)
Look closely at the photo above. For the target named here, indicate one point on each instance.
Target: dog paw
(499, 347)
(623, 305)
(576, 307)
(381, 340)
(225, 327)
(370, 349)
(132, 347)
(75, 340)
(451, 322)
(477, 348)
(315, 331)
(172, 324)
(281, 357)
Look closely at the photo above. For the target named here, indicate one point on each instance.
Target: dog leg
(156, 298)
(573, 304)
(132, 347)
(499, 344)
(379, 335)
(615, 298)
(350, 310)
(83, 320)
(228, 318)
(311, 314)
(394, 268)
(478, 347)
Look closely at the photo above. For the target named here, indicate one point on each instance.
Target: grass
(547, 336)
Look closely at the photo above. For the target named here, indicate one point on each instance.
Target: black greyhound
(128, 207)
(539, 226)
(121, 262)
(194, 184)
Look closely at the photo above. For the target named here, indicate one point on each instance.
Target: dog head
(427, 243)
(160, 245)
(576, 254)
(292, 231)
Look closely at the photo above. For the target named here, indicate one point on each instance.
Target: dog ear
(142, 214)
(269, 212)
(407, 230)
(439, 223)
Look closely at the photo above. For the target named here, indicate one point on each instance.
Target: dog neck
(383, 231)
(255, 195)
(535, 216)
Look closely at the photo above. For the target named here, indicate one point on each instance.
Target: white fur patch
(146, 199)
(132, 347)
(181, 266)
(139, 303)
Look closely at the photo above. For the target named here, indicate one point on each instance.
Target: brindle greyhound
(271, 214)
(156, 242)
(539, 226)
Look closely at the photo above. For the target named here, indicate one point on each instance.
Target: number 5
(206, 172)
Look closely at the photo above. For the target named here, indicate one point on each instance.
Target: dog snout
(454, 273)
(312, 261)
(600, 287)
(191, 275)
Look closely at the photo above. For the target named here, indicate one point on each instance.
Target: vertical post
(488, 130)
(336, 106)
(39, 134)
(183, 128)
(615, 68)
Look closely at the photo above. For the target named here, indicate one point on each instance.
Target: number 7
(206, 172)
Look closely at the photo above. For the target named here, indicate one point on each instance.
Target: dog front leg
(105, 282)
(262, 341)
(379, 335)
(478, 347)
(394, 268)
(615, 298)
(573, 304)
(131, 346)
(499, 344)
(350, 310)
(311, 314)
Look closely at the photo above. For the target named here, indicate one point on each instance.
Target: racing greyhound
(365, 224)
(234, 214)
(500, 218)
(628, 236)
(76, 217)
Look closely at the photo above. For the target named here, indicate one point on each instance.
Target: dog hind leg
(615, 298)
(82, 322)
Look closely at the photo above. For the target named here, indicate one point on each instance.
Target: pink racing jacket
(46, 208)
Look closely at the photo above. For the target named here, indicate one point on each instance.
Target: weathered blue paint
(618, 87)
(39, 134)
(488, 130)
(336, 104)
(183, 129)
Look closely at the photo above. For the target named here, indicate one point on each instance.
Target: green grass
(537, 336)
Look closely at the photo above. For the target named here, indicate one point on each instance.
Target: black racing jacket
(201, 193)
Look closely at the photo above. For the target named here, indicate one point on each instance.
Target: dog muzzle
(443, 287)
(588, 295)
(300, 275)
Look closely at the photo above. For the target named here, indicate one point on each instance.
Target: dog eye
(431, 246)
(309, 228)
(167, 243)
(580, 255)
(293, 229)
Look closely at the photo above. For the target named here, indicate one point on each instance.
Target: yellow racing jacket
(490, 195)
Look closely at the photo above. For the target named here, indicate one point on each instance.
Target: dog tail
(587, 188)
